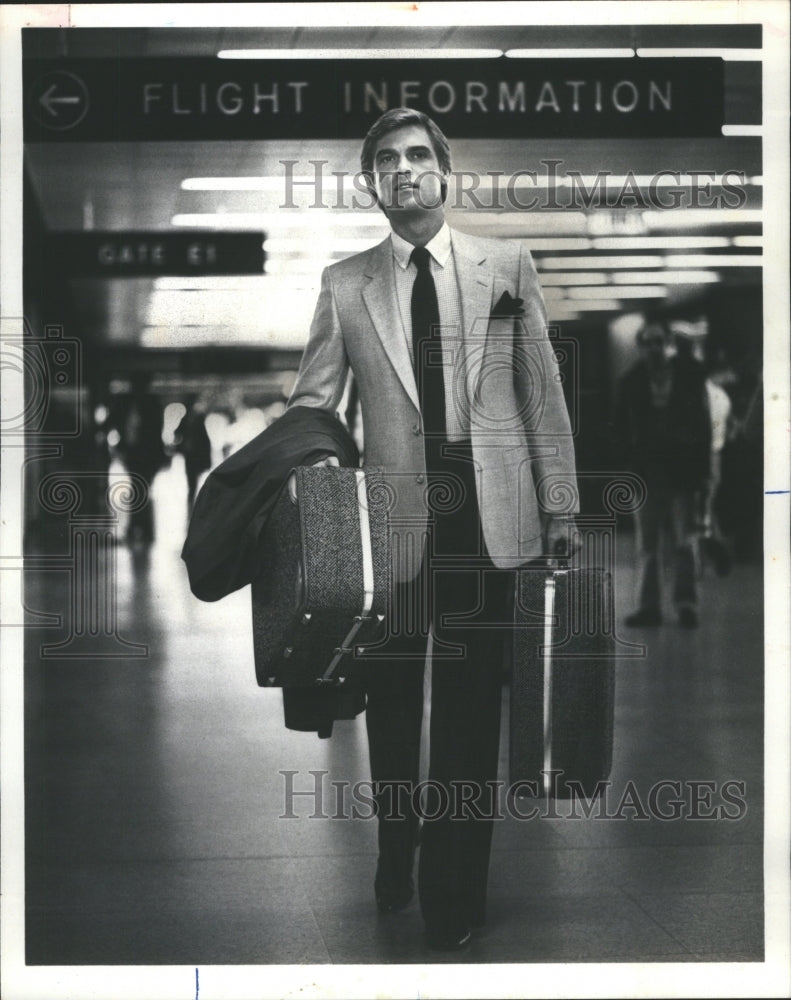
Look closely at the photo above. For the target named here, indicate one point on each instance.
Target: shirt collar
(439, 247)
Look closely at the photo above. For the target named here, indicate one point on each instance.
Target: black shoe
(394, 886)
(688, 618)
(645, 617)
(394, 900)
(718, 553)
(445, 938)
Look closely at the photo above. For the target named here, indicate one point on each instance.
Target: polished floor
(155, 798)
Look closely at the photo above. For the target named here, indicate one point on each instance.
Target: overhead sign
(181, 99)
(139, 254)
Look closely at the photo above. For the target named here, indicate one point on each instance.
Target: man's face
(407, 174)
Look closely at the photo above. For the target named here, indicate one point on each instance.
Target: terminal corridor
(155, 798)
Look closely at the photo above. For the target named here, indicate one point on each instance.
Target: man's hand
(330, 460)
(560, 538)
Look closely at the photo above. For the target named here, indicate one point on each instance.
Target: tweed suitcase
(322, 590)
(563, 683)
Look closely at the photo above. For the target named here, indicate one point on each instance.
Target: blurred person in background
(192, 441)
(742, 493)
(691, 343)
(663, 433)
(142, 451)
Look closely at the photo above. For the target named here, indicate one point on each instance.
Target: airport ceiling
(594, 262)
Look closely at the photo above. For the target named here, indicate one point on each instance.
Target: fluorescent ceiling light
(585, 263)
(269, 221)
(592, 305)
(203, 308)
(690, 218)
(666, 277)
(199, 336)
(690, 179)
(211, 282)
(659, 242)
(540, 243)
(333, 245)
(695, 260)
(548, 53)
(627, 292)
(572, 278)
(675, 179)
(730, 55)
(219, 285)
(742, 131)
(241, 183)
(300, 265)
(589, 278)
(329, 181)
(714, 260)
(553, 224)
(359, 53)
(207, 307)
(188, 336)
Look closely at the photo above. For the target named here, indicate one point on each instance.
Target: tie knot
(420, 256)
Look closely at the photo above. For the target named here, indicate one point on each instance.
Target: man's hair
(389, 122)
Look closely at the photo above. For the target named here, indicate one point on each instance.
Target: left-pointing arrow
(47, 100)
(59, 100)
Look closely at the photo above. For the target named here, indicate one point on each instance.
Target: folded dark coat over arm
(222, 549)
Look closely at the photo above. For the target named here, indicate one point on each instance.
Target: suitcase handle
(549, 611)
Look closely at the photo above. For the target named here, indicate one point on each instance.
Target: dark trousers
(193, 475)
(670, 509)
(140, 527)
(468, 602)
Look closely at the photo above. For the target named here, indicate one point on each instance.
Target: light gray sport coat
(506, 378)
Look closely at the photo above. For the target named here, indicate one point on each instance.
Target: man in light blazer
(471, 501)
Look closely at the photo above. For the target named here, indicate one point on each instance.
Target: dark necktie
(427, 346)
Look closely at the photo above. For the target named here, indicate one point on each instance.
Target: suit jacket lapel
(382, 304)
(475, 278)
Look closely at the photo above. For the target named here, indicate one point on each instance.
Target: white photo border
(769, 978)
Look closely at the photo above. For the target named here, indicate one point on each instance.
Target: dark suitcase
(322, 591)
(562, 683)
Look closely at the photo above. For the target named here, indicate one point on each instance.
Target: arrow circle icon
(59, 100)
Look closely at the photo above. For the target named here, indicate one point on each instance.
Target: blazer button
(416, 430)
(419, 479)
